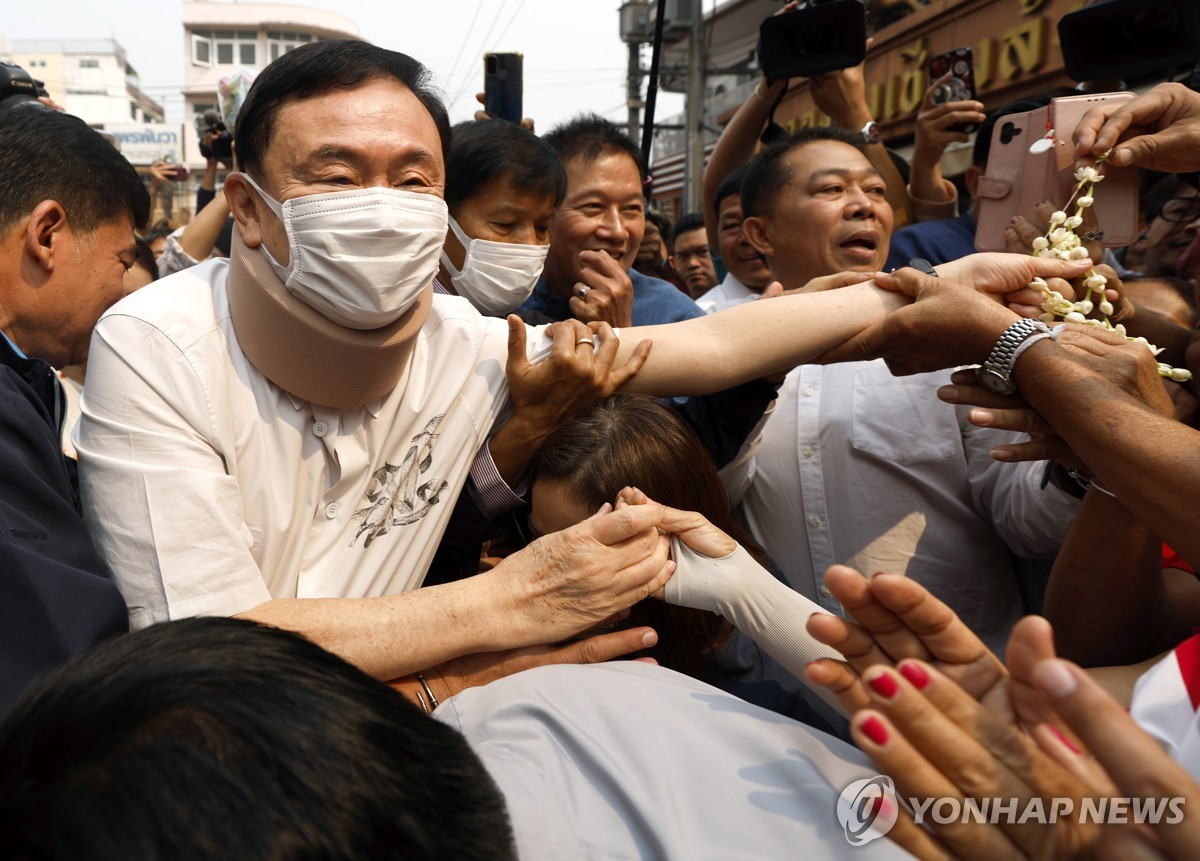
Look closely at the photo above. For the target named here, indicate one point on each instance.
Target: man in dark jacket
(68, 206)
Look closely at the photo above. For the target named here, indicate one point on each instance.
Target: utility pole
(633, 91)
(694, 111)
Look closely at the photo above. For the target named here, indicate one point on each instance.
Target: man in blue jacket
(68, 206)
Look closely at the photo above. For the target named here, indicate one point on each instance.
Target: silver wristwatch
(995, 374)
(870, 132)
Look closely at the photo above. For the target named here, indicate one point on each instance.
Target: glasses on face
(1180, 210)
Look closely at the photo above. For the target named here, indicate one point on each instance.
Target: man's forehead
(828, 157)
(604, 165)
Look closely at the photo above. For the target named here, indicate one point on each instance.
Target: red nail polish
(916, 675)
(873, 729)
(1058, 734)
(884, 685)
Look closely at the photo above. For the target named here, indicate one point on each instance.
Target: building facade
(1014, 42)
(222, 36)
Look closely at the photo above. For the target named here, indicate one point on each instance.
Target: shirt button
(815, 520)
(320, 428)
(825, 591)
(331, 510)
(808, 393)
(808, 452)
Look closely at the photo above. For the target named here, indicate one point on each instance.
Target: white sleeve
(1030, 519)
(163, 510)
(736, 587)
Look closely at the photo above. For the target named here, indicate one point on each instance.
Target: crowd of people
(464, 507)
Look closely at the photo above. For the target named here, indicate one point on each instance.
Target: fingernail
(916, 675)
(650, 638)
(1014, 220)
(1124, 154)
(604, 509)
(948, 393)
(873, 729)
(1054, 678)
(884, 685)
(981, 417)
(1058, 734)
(1002, 455)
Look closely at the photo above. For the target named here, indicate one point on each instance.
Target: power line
(463, 44)
(512, 18)
(499, 11)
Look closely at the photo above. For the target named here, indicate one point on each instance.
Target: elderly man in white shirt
(280, 436)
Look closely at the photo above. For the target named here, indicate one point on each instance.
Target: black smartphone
(960, 86)
(502, 73)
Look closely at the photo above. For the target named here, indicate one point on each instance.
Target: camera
(222, 146)
(820, 36)
(19, 89)
(1129, 38)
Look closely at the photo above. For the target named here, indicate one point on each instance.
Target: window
(232, 47)
(89, 63)
(201, 49)
(279, 43)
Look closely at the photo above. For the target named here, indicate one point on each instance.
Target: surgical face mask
(360, 257)
(496, 277)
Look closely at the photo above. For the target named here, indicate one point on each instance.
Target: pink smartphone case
(1016, 179)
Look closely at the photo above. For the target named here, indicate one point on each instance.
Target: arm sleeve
(56, 596)
(165, 513)
(1030, 519)
(743, 592)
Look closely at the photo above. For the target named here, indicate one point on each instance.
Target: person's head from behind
(503, 184)
(633, 441)
(690, 256)
(362, 127)
(815, 205)
(742, 259)
(144, 268)
(69, 204)
(604, 210)
(216, 738)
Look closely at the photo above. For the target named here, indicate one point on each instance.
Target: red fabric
(1171, 559)
(1188, 655)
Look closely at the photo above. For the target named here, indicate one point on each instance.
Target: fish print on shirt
(396, 493)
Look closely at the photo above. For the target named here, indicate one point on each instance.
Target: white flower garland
(1060, 241)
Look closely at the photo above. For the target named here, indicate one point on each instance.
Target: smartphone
(1016, 179)
(179, 173)
(960, 86)
(502, 74)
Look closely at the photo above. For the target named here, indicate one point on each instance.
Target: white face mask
(360, 257)
(496, 277)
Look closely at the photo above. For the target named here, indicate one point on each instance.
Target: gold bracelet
(428, 691)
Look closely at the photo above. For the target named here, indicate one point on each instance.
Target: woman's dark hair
(216, 738)
(633, 440)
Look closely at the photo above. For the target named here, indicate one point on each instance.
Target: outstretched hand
(1159, 130)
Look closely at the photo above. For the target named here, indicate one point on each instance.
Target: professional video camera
(222, 146)
(820, 36)
(1126, 39)
(19, 89)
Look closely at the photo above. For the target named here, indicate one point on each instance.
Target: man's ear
(971, 179)
(756, 234)
(242, 204)
(45, 230)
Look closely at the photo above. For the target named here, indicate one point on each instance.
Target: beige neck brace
(304, 353)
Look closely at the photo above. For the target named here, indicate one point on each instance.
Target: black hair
(983, 136)
(766, 175)
(729, 186)
(662, 223)
(318, 68)
(1185, 289)
(50, 155)
(215, 738)
(589, 136)
(481, 152)
(1157, 188)
(686, 223)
